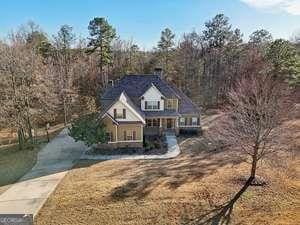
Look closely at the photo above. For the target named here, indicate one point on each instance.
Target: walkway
(173, 151)
(54, 160)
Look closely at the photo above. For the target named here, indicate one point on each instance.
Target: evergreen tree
(101, 36)
(260, 37)
(166, 47)
(283, 57)
(218, 31)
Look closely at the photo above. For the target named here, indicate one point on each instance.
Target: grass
(177, 191)
(14, 163)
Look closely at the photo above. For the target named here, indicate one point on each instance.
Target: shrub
(88, 129)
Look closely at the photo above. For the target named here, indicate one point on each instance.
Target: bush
(88, 129)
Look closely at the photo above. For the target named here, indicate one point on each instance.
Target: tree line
(50, 79)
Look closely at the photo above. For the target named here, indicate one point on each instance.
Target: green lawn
(14, 163)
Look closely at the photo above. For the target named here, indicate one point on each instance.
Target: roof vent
(158, 71)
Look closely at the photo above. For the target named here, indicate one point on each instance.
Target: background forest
(53, 79)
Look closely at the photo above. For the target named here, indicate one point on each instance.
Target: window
(120, 114)
(109, 136)
(171, 103)
(134, 135)
(182, 121)
(155, 123)
(194, 121)
(129, 135)
(149, 122)
(152, 104)
(152, 122)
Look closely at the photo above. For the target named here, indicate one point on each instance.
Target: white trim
(152, 85)
(158, 109)
(132, 109)
(116, 132)
(142, 131)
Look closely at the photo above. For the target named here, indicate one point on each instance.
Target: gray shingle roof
(186, 104)
(170, 113)
(135, 86)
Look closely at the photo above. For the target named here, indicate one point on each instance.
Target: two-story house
(142, 105)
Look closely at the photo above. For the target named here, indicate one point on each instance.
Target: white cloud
(289, 6)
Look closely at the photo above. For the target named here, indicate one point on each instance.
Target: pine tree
(101, 36)
(166, 47)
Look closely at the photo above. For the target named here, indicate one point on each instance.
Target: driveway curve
(29, 194)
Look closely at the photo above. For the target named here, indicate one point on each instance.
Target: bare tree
(26, 96)
(62, 61)
(254, 113)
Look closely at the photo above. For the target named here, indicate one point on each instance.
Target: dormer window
(152, 105)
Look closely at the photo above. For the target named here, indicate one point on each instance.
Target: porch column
(142, 132)
(116, 133)
(176, 122)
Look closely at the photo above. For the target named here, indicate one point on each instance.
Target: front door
(169, 123)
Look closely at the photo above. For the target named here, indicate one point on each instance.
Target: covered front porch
(156, 126)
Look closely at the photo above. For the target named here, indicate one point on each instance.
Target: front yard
(176, 191)
(15, 163)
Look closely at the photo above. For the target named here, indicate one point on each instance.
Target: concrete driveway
(54, 160)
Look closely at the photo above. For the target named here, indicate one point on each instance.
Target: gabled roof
(152, 86)
(136, 85)
(109, 116)
(128, 103)
(186, 104)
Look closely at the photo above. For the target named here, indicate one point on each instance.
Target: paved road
(54, 160)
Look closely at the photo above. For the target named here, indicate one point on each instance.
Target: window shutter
(198, 121)
(146, 105)
(133, 135)
(115, 113)
(158, 104)
(186, 121)
(124, 135)
(124, 113)
(191, 121)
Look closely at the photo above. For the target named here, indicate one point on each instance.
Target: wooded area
(51, 79)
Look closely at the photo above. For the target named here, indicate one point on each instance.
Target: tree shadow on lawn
(221, 215)
(191, 165)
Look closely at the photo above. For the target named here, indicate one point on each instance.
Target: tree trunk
(65, 112)
(254, 162)
(21, 138)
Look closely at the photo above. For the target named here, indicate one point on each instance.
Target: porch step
(169, 133)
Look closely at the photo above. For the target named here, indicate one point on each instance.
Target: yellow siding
(129, 128)
(110, 127)
(118, 130)
(172, 104)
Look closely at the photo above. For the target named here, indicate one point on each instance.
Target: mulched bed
(129, 151)
(154, 146)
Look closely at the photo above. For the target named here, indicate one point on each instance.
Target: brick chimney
(158, 71)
